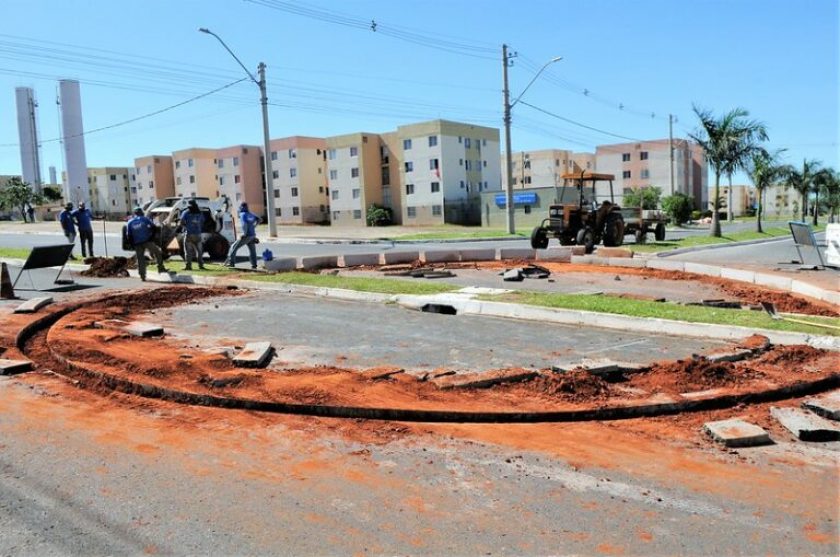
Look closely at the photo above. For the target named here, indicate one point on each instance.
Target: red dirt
(576, 385)
(755, 342)
(109, 266)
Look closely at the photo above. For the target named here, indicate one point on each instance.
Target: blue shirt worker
(65, 217)
(192, 222)
(248, 222)
(140, 231)
(83, 218)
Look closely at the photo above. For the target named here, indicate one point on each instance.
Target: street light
(508, 106)
(269, 186)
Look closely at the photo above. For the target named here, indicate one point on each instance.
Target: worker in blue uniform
(248, 237)
(140, 232)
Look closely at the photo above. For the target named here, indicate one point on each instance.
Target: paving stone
(11, 367)
(602, 367)
(614, 252)
(773, 281)
(392, 257)
(439, 256)
(34, 304)
(731, 356)
(358, 259)
(738, 274)
(482, 380)
(805, 425)
(737, 433)
(665, 264)
(562, 254)
(513, 275)
(318, 261)
(135, 328)
(702, 269)
(636, 263)
(578, 250)
(827, 406)
(477, 254)
(281, 264)
(255, 354)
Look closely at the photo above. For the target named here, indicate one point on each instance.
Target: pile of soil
(755, 342)
(577, 385)
(783, 301)
(782, 355)
(698, 373)
(108, 267)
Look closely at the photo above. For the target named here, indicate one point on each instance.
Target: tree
(727, 142)
(17, 194)
(828, 180)
(678, 206)
(378, 215)
(764, 170)
(52, 193)
(647, 197)
(802, 181)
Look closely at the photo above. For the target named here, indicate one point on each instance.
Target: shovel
(770, 308)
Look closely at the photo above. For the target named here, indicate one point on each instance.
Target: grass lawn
(642, 308)
(14, 253)
(362, 284)
(706, 240)
(460, 233)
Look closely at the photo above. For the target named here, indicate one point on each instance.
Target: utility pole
(511, 228)
(671, 148)
(269, 175)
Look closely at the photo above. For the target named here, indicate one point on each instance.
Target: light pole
(508, 106)
(269, 185)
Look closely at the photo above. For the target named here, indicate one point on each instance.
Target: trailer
(640, 222)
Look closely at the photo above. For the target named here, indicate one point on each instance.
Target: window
(235, 161)
(625, 157)
(462, 184)
(357, 214)
(333, 174)
(292, 154)
(177, 164)
(296, 211)
(386, 176)
(274, 155)
(275, 174)
(354, 172)
(625, 174)
(335, 194)
(409, 166)
(460, 162)
(434, 164)
(151, 183)
(409, 189)
(484, 143)
(331, 154)
(411, 212)
(460, 139)
(527, 209)
(236, 179)
(436, 210)
(323, 208)
(357, 193)
(221, 163)
(320, 189)
(484, 164)
(432, 140)
(149, 169)
(354, 151)
(113, 177)
(526, 180)
(335, 215)
(643, 155)
(467, 164)
(294, 192)
(221, 180)
(192, 179)
(466, 143)
(406, 144)
(276, 193)
(293, 172)
(645, 174)
(435, 187)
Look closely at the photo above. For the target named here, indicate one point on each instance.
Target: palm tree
(764, 170)
(728, 142)
(828, 180)
(802, 181)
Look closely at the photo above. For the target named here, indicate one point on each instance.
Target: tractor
(582, 221)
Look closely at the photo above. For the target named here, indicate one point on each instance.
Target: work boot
(189, 268)
(143, 279)
(202, 267)
(163, 270)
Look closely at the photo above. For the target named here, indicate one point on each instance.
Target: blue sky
(778, 59)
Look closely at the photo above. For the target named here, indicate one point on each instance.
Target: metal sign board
(802, 233)
(42, 257)
(528, 198)
(832, 240)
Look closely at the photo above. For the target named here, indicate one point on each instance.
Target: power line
(569, 120)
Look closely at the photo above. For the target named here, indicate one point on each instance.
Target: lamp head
(556, 59)
(204, 30)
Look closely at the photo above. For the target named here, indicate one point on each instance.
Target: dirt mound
(576, 385)
(755, 342)
(783, 301)
(164, 297)
(797, 353)
(107, 267)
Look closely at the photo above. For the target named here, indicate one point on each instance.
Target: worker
(248, 222)
(65, 217)
(192, 223)
(83, 218)
(140, 232)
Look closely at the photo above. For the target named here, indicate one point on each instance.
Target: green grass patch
(15, 253)
(459, 233)
(361, 284)
(210, 269)
(664, 310)
(707, 240)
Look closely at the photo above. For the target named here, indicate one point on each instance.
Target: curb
(681, 251)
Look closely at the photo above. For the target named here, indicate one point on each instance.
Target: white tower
(30, 160)
(76, 187)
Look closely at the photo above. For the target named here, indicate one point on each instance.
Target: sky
(626, 66)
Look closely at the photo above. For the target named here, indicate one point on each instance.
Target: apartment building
(648, 163)
(544, 168)
(154, 179)
(444, 168)
(110, 190)
(299, 180)
(195, 173)
(239, 176)
(354, 165)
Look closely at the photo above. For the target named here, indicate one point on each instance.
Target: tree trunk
(758, 211)
(715, 206)
(816, 206)
(730, 214)
(805, 207)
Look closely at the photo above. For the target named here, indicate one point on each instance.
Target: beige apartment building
(195, 173)
(110, 191)
(239, 176)
(544, 168)
(299, 180)
(354, 165)
(154, 179)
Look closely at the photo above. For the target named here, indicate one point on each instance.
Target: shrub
(647, 197)
(679, 207)
(377, 215)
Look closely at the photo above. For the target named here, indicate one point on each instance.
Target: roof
(586, 175)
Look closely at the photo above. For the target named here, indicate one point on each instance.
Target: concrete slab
(516, 253)
(730, 356)
(135, 328)
(702, 269)
(805, 425)
(708, 393)
(578, 250)
(665, 264)
(11, 367)
(737, 433)
(614, 252)
(590, 260)
(481, 290)
(317, 261)
(625, 262)
(392, 257)
(439, 256)
(773, 281)
(358, 259)
(738, 274)
(477, 254)
(602, 367)
(281, 264)
(483, 380)
(255, 354)
(33, 304)
(562, 254)
(827, 406)
(513, 275)
(806, 289)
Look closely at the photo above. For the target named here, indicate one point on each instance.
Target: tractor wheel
(586, 238)
(659, 232)
(566, 240)
(217, 247)
(614, 231)
(640, 235)
(539, 239)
